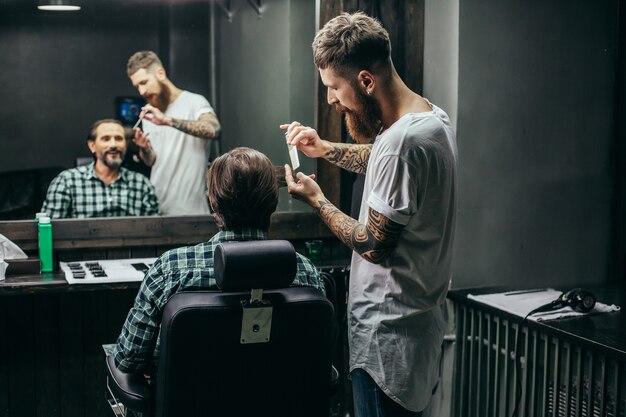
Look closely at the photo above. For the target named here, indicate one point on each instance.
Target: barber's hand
(141, 139)
(146, 153)
(280, 176)
(154, 115)
(305, 139)
(305, 189)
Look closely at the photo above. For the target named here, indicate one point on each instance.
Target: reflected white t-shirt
(396, 314)
(179, 172)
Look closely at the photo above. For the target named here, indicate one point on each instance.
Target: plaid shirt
(79, 193)
(190, 267)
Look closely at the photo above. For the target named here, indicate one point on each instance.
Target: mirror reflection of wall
(62, 71)
(266, 77)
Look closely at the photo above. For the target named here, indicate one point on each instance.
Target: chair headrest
(266, 264)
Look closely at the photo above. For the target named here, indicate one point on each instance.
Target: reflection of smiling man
(103, 188)
(178, 124)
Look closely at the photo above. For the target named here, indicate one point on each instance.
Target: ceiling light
(58, 5)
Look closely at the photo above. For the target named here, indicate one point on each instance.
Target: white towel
(520, 303)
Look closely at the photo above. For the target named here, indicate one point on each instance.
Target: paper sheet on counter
(8, 250)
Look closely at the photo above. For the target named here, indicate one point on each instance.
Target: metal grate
(556, 378)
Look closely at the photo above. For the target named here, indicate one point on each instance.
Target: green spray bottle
(44, 229)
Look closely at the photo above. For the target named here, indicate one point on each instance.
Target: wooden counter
(122, 232)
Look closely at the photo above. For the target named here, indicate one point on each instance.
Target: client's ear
(218, 221)
(216, 215)
(211, 204)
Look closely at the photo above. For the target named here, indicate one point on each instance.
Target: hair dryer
(578, 299)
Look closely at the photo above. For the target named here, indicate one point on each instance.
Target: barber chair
(257, 347)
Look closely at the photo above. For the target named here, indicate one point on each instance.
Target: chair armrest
(132, 390)
(334, 375)
(334, 380)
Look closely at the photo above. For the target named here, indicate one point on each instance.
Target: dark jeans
(371, 401)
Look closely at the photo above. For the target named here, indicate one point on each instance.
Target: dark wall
(59, 72)
(536, 125)
(619, 156)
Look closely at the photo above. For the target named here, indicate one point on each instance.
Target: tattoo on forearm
(204, 127)
(194, 128)
(147, 155)
(373, 241)
(348, 156)
(382, 229)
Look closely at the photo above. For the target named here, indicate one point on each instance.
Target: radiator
(549, 377)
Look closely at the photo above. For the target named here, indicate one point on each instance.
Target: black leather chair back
(205, 369)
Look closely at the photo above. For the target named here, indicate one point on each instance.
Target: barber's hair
(242, 189)
(350, 43)
(91, 135)
(147, 60)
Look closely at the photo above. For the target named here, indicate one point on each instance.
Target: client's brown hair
(91, 134)
(242, 190)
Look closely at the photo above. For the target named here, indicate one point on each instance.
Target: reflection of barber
(176, 126)
(103, 188)
(243, 191)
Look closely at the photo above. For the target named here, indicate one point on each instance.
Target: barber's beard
(162, 100)
(363, 124)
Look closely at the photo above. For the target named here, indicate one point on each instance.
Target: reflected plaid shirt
(79, 193)
(191, 267)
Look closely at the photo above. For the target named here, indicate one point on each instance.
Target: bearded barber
(177, 126)
(402, 241)
(103, 188)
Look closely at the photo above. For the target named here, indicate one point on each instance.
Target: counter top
(601, 332)
(56, 282)
(52, 282)
(140, 237)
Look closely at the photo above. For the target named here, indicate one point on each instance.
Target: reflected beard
(364, 124)
(113, 163)
(161, 101)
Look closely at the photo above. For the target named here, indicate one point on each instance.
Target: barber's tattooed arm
(147, 155)
(374, 241)
(207, 126)
(349, 156)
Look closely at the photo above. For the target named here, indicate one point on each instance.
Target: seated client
(243, 194)
(103, 188)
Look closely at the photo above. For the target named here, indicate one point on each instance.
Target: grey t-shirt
(396, 315)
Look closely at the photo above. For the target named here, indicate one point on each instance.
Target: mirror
(62, 71)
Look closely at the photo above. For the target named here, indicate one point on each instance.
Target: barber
(402, 241)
